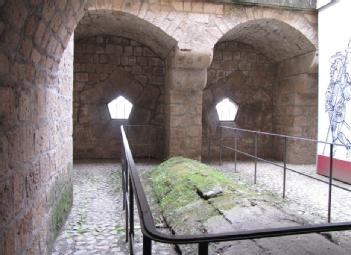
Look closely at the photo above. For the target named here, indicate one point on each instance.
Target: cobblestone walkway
(95, 224)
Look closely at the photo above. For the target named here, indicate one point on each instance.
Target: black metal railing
(133, 192)
(237, 133)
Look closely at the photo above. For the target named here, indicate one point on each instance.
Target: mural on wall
(337, 100)
(334, 90)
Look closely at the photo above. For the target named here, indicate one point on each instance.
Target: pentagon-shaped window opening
(227, 110)
(120, 108)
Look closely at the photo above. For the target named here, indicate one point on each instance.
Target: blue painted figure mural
(337, 96)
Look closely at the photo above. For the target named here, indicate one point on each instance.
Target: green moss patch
(61, 209)
(178, 184)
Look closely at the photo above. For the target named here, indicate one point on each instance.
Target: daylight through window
(226, 110)
(120, 108)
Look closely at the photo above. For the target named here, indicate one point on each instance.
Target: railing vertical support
(149, 143)
(220, 145)
(203, 249)
(235, 150)
(131, 208)
(284, 159)
(255, 178)
(208, 144)
(147, 245)
(127, 200)
(330, 181)
(123, 163)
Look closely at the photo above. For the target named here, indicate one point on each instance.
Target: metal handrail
(281, 135)
(133, 191)
(284, 166)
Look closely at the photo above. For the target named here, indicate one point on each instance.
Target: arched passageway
(269, 69)
(119, 54)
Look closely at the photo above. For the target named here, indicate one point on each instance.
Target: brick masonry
(106, 67)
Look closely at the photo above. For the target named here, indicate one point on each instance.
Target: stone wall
(192, 28)
(244, 75)
(296, 106)
(106, 67)
(36, 76)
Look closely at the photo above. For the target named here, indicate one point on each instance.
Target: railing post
(131, 208)
(149, 143)
(208, 144)
(203, 249)
(255, 177)
(123, 160)
(147, 245)
(127, 199)
(284, 159)
(235, 150)
(330, 181)
(220, 145)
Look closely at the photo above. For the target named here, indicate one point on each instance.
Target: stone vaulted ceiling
(275, 39)
(125, 25)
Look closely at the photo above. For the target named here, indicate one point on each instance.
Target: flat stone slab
(237, 207)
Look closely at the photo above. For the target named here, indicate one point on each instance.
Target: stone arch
(36, 55)
(280, 65)
(124, 24)
(136, 50)
(236, 18)
(274, 38)
(36, 52)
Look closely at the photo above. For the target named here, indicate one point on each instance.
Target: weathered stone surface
(98, 82)
(251, 90)
(241, 207)
(295, 106)
(185, 81)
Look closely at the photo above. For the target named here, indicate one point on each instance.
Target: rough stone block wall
(36, 77)
(245, 76)
(106, 67)
(184, 103)
(296, 106)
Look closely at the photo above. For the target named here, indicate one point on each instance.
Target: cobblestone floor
(95, 224)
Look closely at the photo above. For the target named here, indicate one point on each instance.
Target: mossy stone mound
(180, 186)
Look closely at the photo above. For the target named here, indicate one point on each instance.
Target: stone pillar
(186, 77)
